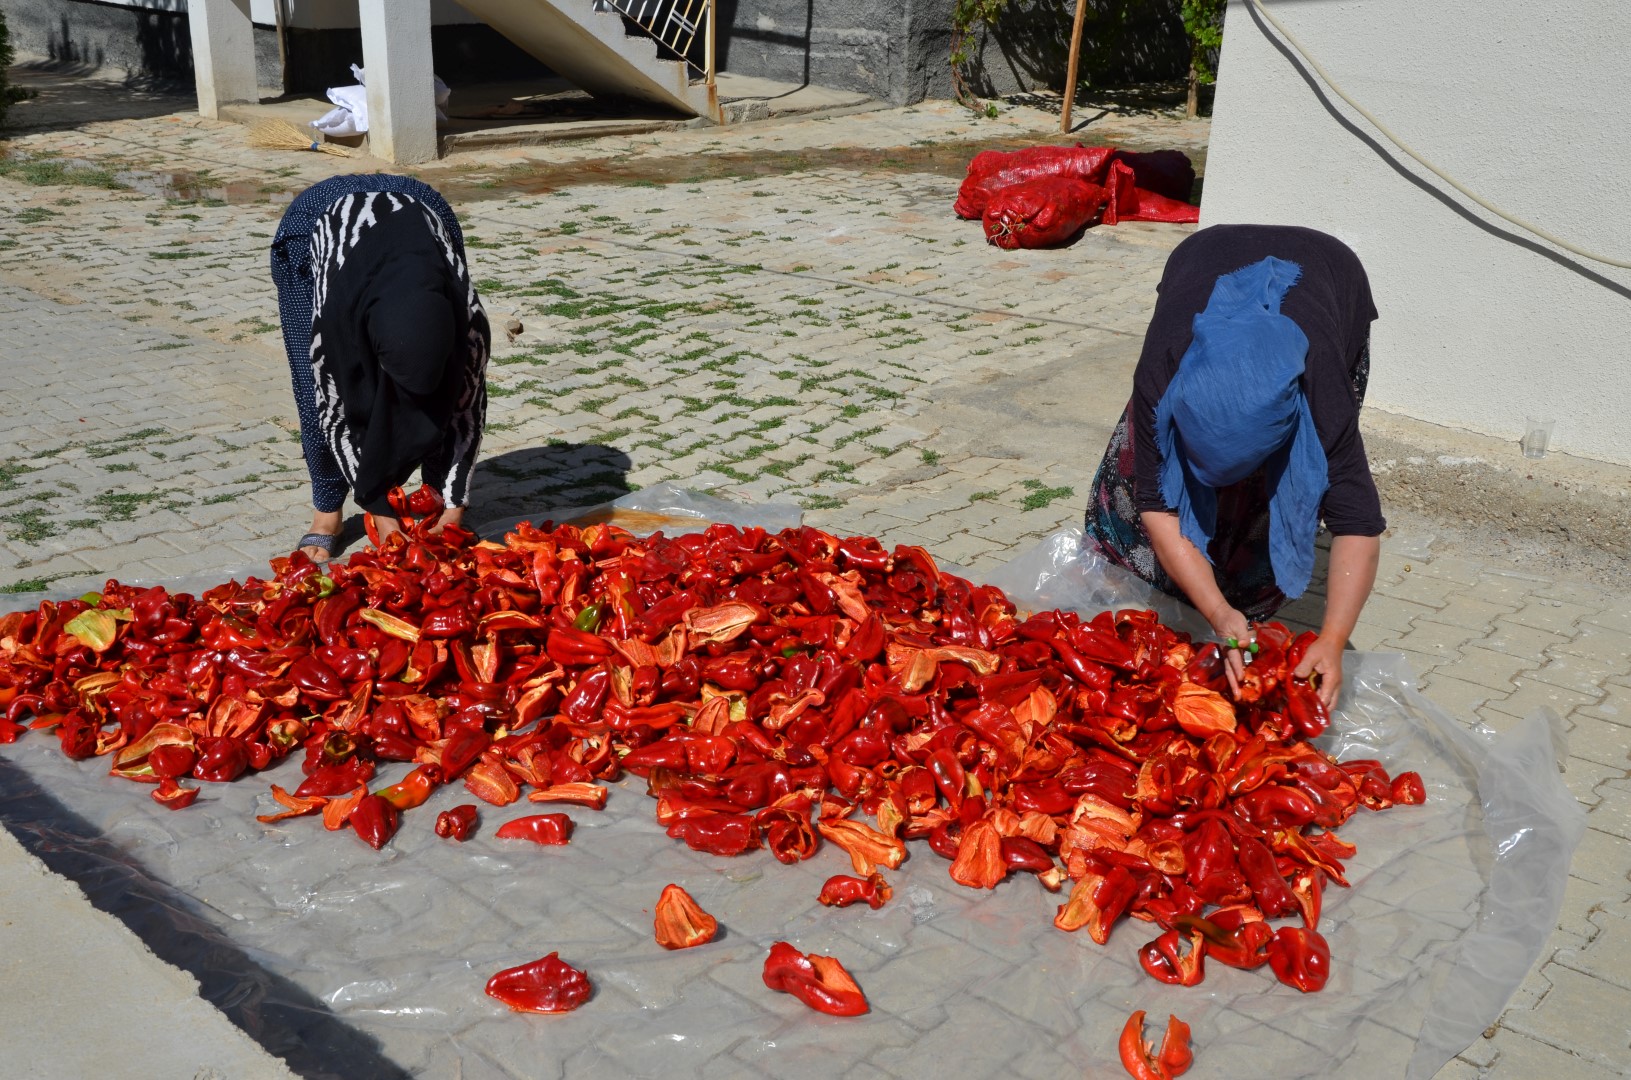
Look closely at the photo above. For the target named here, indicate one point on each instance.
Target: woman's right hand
(1229, 623)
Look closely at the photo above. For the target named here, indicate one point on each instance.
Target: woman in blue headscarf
(1242, 435)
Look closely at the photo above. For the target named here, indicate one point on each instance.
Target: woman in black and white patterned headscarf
(387, 345)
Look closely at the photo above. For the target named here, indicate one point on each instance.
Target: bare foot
(383, 525)
(325, 524)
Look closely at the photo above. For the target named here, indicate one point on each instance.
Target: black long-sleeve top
(1332, 305)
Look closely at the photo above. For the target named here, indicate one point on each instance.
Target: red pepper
(1232, 941)
(457, 823)
(375, 821)
(1408, 790)
(1274, 897)
(337, 779)
(1023, 853)
(1300, 957)
(547, 985)
(1166, 960)
(842, 890)
(571, 647)
(447, 623)
(819, 981)
(172, 760)
(464, 745)
(1140, 1058)
(539, 828)
(171, 794)
(314, 678)
(220, 760)
(717, 834)
(414, 788)
(680, 923)
(584, 702)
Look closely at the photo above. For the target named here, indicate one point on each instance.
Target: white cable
(1325, 76)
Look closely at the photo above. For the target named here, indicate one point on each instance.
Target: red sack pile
(1128, 200)
(1010, 192)
(993, 170)
(1041, 213)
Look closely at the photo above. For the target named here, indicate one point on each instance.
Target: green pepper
(588, 619)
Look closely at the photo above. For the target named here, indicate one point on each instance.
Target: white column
(401, 88)
(223, 53)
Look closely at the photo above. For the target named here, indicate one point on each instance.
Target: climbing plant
(8, 93)
(1203, 23)
(1114, 28)
(967, 16)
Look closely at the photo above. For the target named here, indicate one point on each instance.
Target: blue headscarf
(1235, 405)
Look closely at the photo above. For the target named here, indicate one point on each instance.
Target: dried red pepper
(1140, 1058)
(1300, 957)
(547, 985)
(819, 981)
(457, 823)
(680, 922)
(539, 828)
(841, 890)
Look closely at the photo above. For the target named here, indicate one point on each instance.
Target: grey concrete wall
(899, 50)
(142, 41)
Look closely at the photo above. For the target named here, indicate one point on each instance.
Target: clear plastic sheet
(354, 963)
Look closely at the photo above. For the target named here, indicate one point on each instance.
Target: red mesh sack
(1164, 172)
(1041, 213)
(993, 170)
(1126, 201)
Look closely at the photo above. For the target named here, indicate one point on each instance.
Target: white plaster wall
(1481, 323)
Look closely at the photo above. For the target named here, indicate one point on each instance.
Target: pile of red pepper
(773, 690)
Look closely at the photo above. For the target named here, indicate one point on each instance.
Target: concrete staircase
(591, 49)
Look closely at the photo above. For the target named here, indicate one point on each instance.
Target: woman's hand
(1229, 623)
(1323, 659)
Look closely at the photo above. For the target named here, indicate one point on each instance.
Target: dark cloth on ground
(1331, 304)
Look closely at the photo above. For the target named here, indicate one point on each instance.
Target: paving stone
(1394, 613)
(1456, 696)
(1531, 695)
(1518, 640)
(1600, 859)
(1434, 638)
(1595, 1014)
(1520, 1058)
(1554, 615)
(1609, 647)
(1498, 671)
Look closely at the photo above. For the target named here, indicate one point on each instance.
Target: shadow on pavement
(537, 479)
(284, 1019)
(69, 94)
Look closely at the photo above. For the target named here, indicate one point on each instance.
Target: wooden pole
(1070, 69)
(710, 43)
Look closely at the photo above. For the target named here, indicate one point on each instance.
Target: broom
(282, 135)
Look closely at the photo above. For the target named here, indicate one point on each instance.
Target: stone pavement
(804, 328)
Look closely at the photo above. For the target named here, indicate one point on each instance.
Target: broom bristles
(282, 135)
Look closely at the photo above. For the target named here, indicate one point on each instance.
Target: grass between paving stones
(47, 170)
(37, 584)
(1041, 495)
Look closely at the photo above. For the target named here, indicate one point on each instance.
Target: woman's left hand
(1323, 658)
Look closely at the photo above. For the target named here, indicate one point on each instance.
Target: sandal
(328, 542)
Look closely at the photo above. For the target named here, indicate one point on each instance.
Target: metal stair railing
(674, 24)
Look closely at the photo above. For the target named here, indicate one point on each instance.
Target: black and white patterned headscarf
(399, 348)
